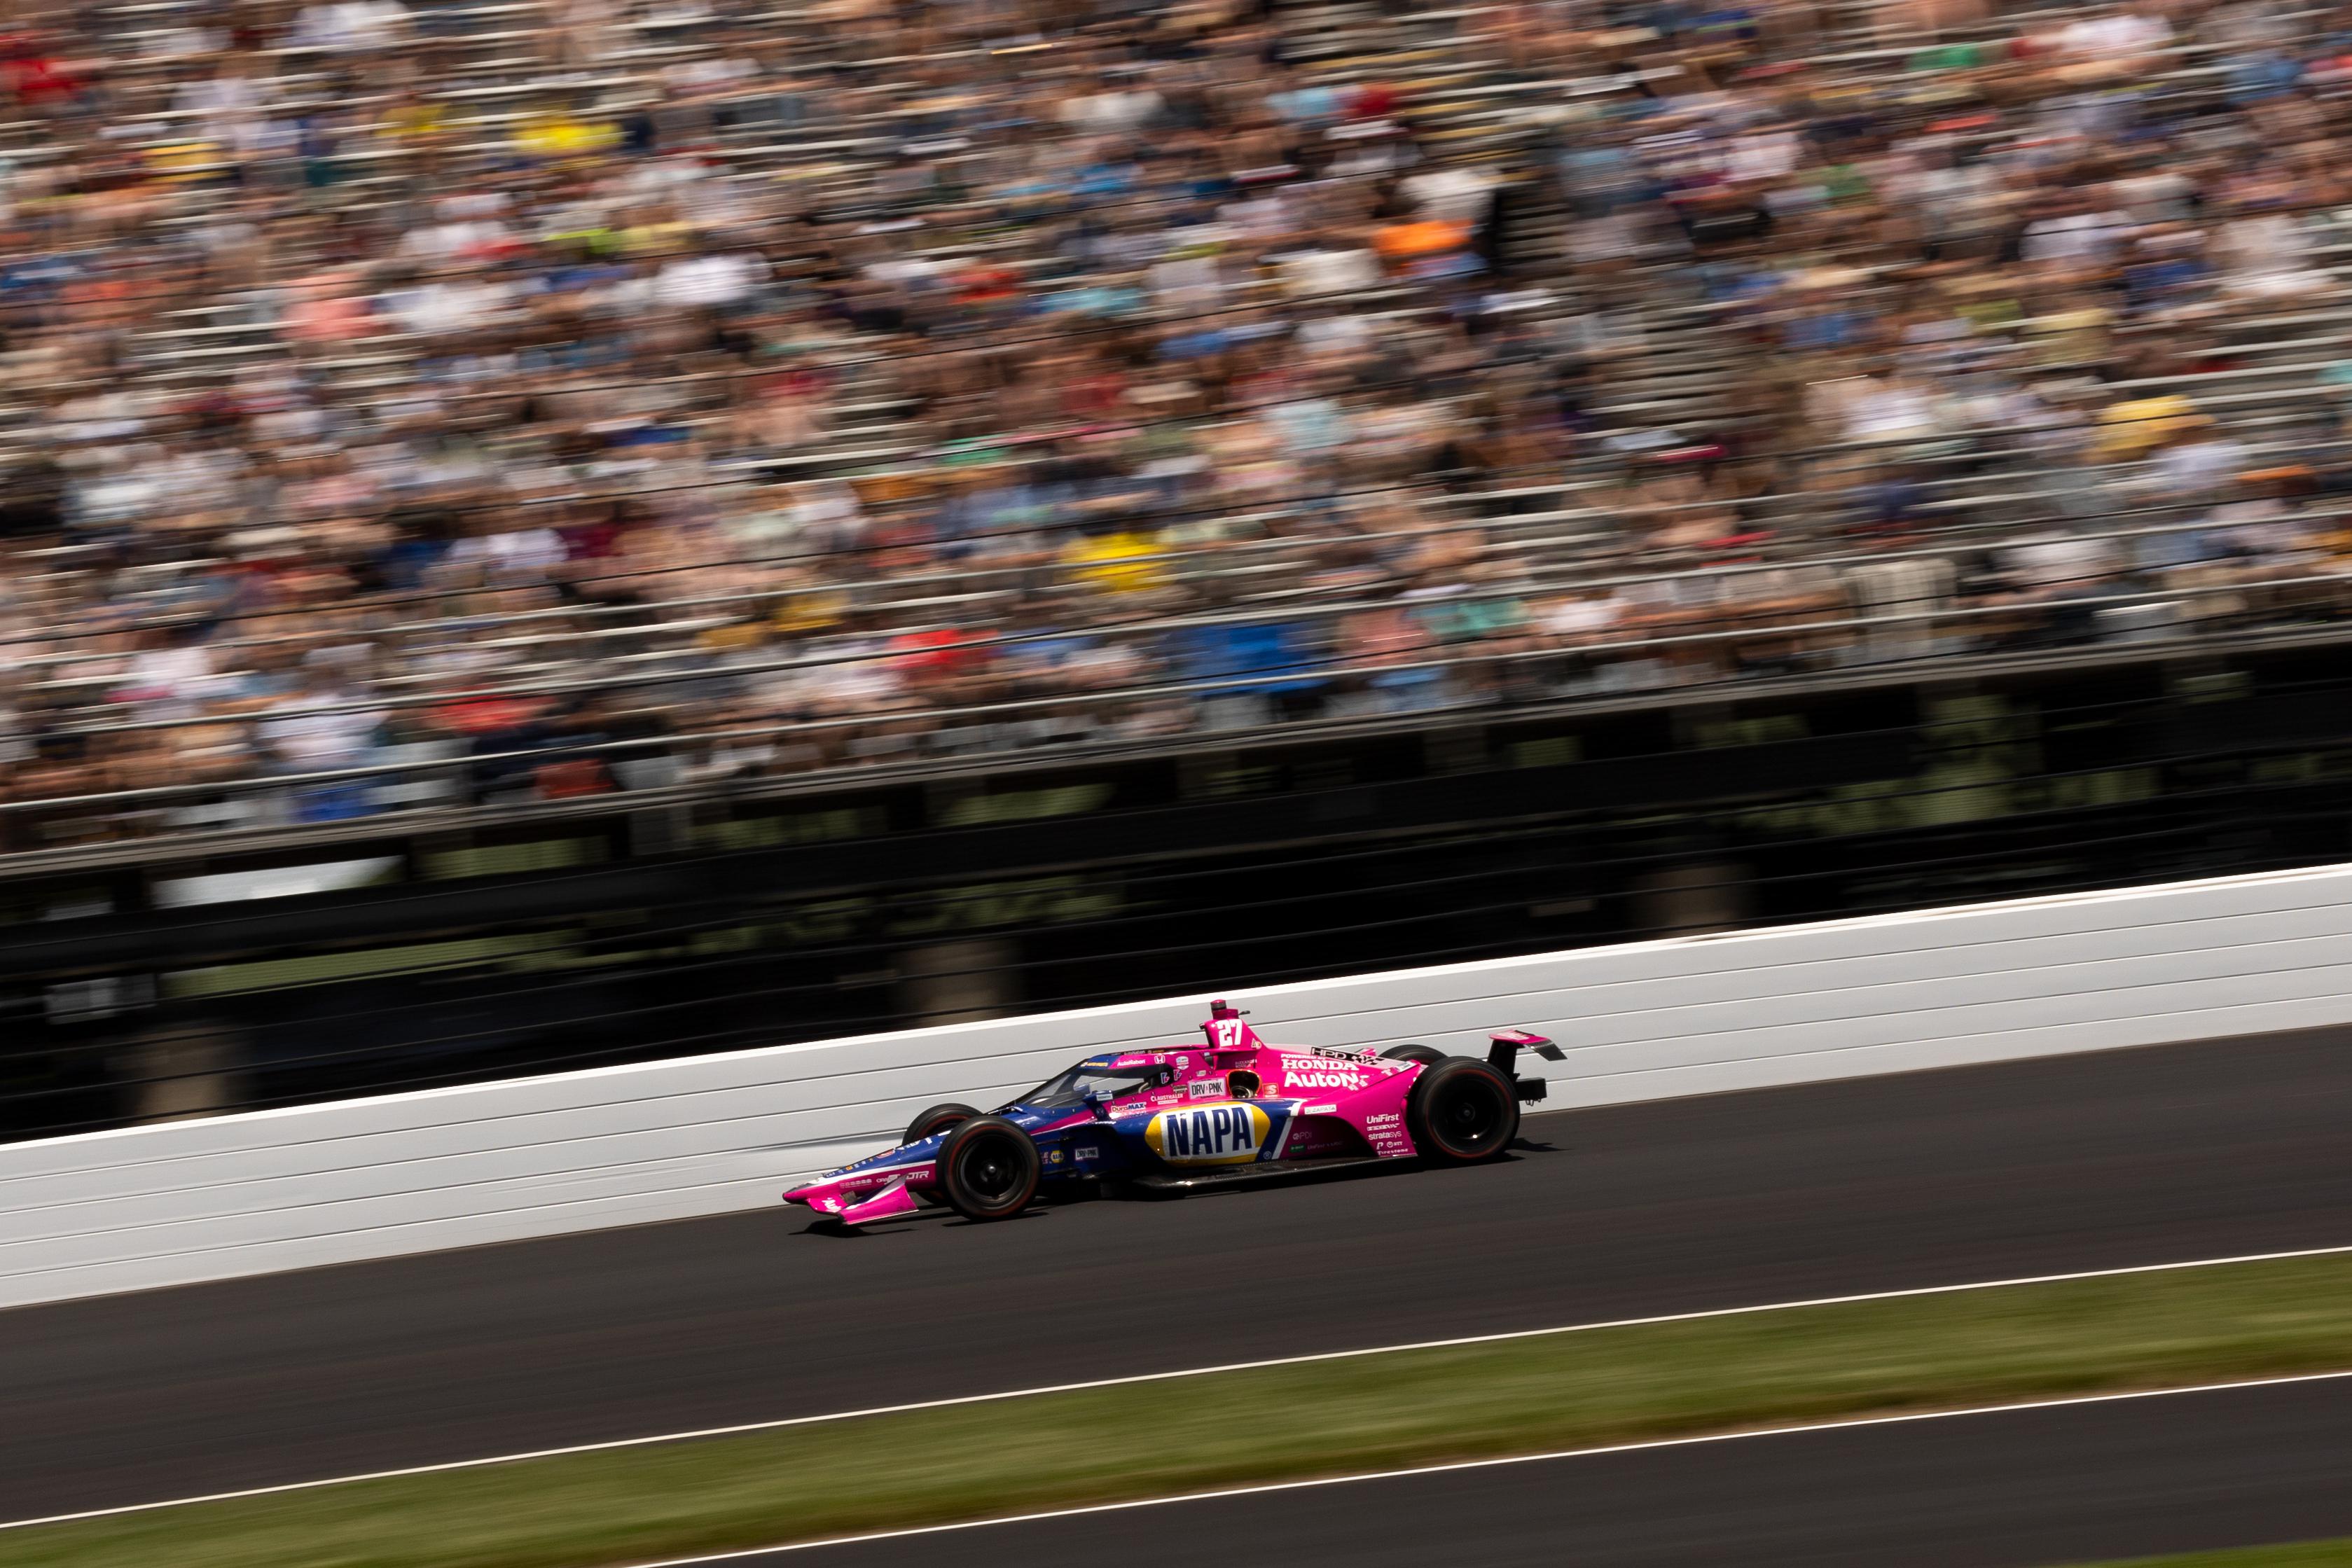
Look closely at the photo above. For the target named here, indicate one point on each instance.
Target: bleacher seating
(411, 406)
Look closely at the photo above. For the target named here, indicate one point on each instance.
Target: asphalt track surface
(2105, 1160)
(2017, 1490)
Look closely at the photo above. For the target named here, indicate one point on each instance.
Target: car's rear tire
(1427, 1055)
(1463, 1111)
(936, 1120)
(988, 1168)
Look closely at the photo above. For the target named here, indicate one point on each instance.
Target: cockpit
(1067, 1091)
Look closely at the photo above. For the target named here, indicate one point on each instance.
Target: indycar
(1233, 1108)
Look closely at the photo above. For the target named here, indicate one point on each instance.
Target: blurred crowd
(410, 405)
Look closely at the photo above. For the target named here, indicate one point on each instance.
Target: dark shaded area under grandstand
(162, 977)
(2108, 1160)
(2020, 1490)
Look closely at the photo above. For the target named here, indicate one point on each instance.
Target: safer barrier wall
(405, 1173)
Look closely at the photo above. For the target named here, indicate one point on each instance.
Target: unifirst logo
(1209, 1134)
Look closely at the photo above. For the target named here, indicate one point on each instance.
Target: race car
(1232, 1109)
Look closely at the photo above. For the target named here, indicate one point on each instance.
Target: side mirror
(1095, 1103)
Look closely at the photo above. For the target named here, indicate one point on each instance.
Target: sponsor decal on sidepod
(1323, 1078)
(1209, 1134)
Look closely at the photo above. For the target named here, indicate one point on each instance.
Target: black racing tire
(1427, 1055)
(937, 1119)
(1463, 1111)
(988, 1168)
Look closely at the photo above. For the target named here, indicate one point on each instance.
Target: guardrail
(278, 1189)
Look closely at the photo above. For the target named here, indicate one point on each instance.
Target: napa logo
(1209, 1134)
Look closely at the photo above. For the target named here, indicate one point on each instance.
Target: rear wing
(1502, 1052)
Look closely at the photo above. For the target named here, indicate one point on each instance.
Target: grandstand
(443, 406)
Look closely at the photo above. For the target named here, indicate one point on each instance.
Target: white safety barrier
(407, 1173)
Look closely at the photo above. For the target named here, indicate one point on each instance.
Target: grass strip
(2335, 1553)
(1322, 1418)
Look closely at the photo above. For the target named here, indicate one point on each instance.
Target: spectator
(370, 393)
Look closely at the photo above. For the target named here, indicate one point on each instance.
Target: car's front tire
(936, 1120)
(1463, 1111)
(988, 1168)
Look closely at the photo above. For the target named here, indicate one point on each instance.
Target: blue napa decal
(1228, 1134)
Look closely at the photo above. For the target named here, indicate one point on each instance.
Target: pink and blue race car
(1232, 1109)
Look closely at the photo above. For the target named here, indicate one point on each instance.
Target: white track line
(1654, 1443)
(705, 1432)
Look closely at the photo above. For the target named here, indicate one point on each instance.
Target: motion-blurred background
(548, 532)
